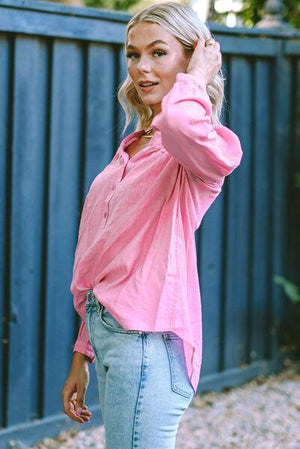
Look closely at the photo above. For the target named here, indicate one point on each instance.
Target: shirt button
(105, 214)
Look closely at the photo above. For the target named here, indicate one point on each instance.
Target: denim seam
(87, 319)
(142, 384)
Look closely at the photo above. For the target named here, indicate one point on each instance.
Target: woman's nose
(144, 64)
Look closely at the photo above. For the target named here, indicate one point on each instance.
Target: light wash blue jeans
(143, 384)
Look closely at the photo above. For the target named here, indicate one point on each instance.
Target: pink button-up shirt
(136, 245)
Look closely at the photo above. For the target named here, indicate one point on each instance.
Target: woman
(135, 280)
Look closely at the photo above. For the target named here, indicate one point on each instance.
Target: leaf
(290, 289)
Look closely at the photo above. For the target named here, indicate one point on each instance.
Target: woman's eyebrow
(158, 41)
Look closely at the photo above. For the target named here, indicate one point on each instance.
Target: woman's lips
(148, 88)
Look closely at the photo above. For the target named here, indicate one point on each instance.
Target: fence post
(272, 16)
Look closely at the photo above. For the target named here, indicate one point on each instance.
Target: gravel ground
(261, 414)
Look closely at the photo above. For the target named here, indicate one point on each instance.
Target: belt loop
(92, 300)
(89, 295)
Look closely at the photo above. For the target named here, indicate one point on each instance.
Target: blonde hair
(183, 23)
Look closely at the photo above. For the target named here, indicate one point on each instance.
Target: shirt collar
(153, 143)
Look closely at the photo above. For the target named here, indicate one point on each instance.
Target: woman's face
(154, 55)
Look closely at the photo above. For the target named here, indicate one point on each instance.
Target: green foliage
(291, 12)
(253, 11)
(297, 180)
(120, 5)
(291, 290)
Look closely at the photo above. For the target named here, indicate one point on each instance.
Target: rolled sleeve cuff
(83, 344)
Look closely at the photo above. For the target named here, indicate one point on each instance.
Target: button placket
(108, 199)
(124, 163)
(105, 213)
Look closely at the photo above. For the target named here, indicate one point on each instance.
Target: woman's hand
(206, 60)
(73, 393)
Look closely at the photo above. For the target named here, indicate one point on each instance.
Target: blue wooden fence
(60, 125)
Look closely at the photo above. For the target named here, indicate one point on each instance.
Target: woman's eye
(159, 52)
(133, 55)
(130, 55)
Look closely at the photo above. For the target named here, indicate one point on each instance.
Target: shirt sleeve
(83, 343)
(209, 151)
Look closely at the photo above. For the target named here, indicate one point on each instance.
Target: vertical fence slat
(100, 110)
(26, 230)
(260, 219)
(5, 88)
(210, 273)
(293, 234)
(279, 165)
(236, 261)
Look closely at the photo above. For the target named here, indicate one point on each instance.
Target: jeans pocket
(180, 382)
(110, 323)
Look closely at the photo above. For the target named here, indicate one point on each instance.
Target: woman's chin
(150, 100)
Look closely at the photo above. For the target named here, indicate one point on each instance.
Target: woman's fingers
(73, 414)
(85, 413)
(212, 45)
(70, 411)
(69, 405)
(82, 417)
(73, 394)
(206, 60)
